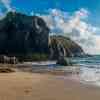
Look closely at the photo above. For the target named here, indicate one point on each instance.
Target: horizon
(82, 19)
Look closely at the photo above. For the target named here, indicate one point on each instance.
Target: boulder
(64, 61)
(62, 47)
(22, 34)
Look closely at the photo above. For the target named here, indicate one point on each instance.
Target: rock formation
(22, 34)
(64, 47)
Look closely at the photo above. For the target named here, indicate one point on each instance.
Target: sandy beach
(30, 86)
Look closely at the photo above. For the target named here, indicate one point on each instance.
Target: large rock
(64, 61)
(22, 34)
(63, 47)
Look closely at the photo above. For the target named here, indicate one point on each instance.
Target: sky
(77, 19)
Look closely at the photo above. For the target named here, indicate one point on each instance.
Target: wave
(89, 69)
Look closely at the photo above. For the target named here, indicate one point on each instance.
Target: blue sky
(41, 6)
(80, 18)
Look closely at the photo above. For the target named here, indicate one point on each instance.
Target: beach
(35, 86)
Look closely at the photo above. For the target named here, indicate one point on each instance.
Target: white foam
(90, 75)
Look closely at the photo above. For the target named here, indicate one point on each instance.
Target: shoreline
(67, 72)
(48, 84)
(35, 86)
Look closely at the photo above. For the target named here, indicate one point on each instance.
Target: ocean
(89, 69)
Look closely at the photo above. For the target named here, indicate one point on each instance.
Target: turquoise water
(87, 61)
(89, 69)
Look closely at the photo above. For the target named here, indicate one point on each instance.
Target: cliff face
(64, 47)
(21, 34)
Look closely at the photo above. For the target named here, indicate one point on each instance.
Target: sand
(30, 86)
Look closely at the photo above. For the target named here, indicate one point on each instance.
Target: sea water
(89, 69)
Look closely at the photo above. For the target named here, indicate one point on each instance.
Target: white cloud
(7, 4)
(75, 27)
(32, 13)
(2, 15)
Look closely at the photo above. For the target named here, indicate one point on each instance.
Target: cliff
(21, 34)
(61, 46)
(29, 35)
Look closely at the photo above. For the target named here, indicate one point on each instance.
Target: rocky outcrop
(63, 47)
(22, 34)
(64, 61)
(8, 60)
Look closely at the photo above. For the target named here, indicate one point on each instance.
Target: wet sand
(30, 86)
